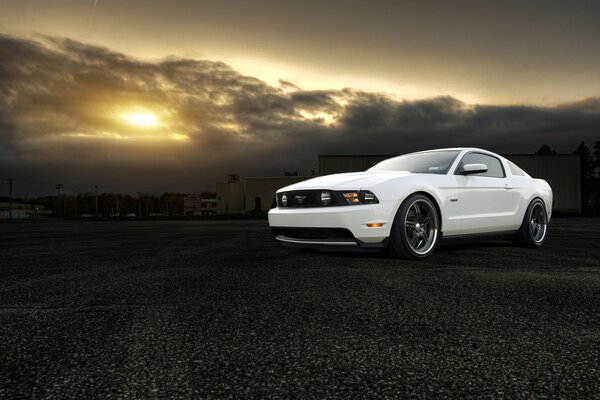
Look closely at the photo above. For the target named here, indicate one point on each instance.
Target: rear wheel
(415, 232)
(535, 225)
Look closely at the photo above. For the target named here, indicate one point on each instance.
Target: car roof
(457, 149)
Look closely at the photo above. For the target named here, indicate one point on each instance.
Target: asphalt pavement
(193, 309)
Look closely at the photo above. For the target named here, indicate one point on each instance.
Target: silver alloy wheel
(537, 223)
(421, 226)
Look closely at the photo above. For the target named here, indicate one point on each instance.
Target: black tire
(534, 227)
(416, 231)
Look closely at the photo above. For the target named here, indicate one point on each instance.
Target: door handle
(507, 186)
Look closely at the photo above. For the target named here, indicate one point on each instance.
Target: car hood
(347, 181)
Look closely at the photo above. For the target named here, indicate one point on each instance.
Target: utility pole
(140, 205)
(59, 187)
(96, 188)
(10, 182)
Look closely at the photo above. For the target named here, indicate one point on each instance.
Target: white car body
(467, 204)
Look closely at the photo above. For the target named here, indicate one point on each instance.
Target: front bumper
(351, 218)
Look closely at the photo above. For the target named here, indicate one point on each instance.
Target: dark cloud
(287, 85)
(61, 106)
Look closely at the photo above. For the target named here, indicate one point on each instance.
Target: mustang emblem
(300, 199)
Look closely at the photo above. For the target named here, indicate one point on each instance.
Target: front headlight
(360, 197)
(351, 197)
(284, 200)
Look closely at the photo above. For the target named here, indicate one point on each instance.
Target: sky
(161, 96)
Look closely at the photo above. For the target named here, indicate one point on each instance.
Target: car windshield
(428, 162)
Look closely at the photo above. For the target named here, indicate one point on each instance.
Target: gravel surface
(220, 310)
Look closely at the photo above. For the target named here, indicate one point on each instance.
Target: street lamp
(96, 188)
(10, 182)
(59, 187)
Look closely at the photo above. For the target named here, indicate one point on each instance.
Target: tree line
(116, 204)
(589, 159)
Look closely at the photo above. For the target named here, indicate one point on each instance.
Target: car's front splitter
(365, 223)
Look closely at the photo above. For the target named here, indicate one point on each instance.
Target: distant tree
(208, 195)
(171, 201)
(597, 154)
(586, 160)
(595, 200)
(545, 150)
(587, 166)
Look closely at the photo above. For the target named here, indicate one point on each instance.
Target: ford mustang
(409, 203)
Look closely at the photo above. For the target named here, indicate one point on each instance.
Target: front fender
(435, 186)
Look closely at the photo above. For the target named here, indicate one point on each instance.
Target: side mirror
(470, 169)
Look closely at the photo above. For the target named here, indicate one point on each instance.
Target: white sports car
(408, 203)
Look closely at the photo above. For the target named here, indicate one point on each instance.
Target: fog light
(375, 225)
(284, 200)
(325, 198)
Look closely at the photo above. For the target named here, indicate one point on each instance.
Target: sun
(143, 119)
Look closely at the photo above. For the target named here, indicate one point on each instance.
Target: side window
(494, 165)
(516, 170)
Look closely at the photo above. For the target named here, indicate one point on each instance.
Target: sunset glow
(142, 119)
(319, 117)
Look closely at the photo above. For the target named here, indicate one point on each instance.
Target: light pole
(10, 182)
(96, 188)
(59, 187)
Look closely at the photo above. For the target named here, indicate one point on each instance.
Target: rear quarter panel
(533, 188)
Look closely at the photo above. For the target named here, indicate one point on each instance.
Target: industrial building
(562, 172)
(253, 194)
(21, 209)
(196, 206)
(231, 196)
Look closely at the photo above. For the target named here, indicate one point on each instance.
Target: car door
(487, 200)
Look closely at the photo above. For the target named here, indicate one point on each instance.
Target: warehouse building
(562, 172)
(196, 206)
(253, 194)
(231, 196)
(21, 209)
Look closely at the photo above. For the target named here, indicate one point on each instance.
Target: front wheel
(415, 232)
(535, 225)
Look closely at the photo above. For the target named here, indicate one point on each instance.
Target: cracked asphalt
(192, 309)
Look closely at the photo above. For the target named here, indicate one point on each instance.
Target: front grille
(309, 198)
(304, 198)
